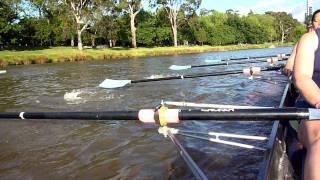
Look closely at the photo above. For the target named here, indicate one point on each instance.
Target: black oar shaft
(189, 76)
(252, 57)
(233, 63)
(116, 115)
(205, 74)
(245, 115)
(267, 114)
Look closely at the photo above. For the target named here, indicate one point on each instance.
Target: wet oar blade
(110, 83)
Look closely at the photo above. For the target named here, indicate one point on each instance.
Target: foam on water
(80, 96)
(72, 96)
(3, 71)
(155, 76)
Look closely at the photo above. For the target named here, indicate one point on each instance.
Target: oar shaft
(251, 57)
(232, 63)
(246, 115)
(106, 115)
(174, 115)
(189, 76)
(205, 74)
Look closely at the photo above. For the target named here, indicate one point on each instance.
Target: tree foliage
(42, 23)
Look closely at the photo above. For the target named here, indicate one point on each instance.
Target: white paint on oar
(178, 68)
(3, 71)
(202, 105)
(110, 83)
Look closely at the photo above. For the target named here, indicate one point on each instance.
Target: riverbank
(68, 54)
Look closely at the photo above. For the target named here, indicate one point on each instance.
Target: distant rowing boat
(3, 71)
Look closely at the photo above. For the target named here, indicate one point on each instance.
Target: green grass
(65, 54)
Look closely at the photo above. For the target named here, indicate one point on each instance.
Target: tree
(132, 7)
(7, 18)
(297, 32)
(284, 24)
(146, 28)
(237, 23)
(109, 28)
(173, 7)
(82, 11)
(163, 28)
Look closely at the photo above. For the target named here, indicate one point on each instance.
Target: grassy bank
(66, 54)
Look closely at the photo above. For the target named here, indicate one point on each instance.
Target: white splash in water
(109, 96)
(72, 96)
(156, 76)
(3, 71)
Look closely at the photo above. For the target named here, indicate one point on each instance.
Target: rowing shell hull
(276, 163)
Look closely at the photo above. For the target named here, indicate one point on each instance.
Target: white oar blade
(212, 60)
(110, 83)
(3, 71)
(178, 68)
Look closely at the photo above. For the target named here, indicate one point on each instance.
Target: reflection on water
(42, 149)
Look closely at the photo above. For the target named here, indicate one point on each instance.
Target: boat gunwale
(278, 132)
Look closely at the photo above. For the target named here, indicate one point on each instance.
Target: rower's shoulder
(310, 36)
(309, 39)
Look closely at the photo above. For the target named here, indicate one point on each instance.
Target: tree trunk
(93, 42)
(93, 39)
(173, 20)
(110, 43)
(282, 34)
(79, 40)
(133, 31)
(72, 41)
(175, 34)
(114, 43)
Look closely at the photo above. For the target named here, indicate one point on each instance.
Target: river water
(51, 149)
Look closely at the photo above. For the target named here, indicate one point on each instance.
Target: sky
(295, 7)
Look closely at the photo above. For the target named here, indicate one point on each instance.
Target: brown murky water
(49, 149)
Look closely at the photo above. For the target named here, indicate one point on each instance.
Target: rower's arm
(290, 62)
(304, 66)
